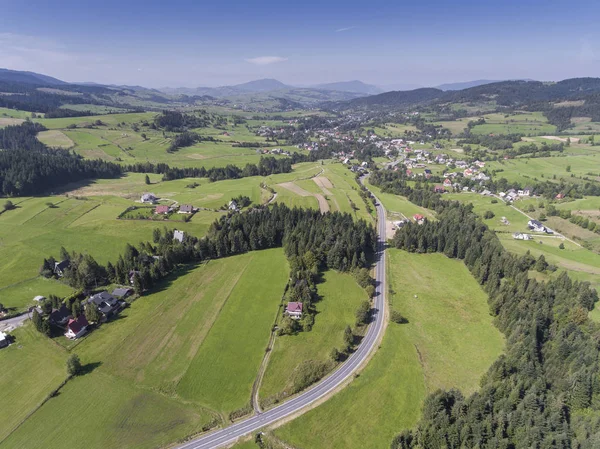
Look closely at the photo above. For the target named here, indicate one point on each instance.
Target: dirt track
(323, 205)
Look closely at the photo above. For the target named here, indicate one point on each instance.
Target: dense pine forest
(544, 392)
(28, 167)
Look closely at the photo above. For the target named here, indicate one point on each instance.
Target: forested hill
(394, 99)
(532, 94)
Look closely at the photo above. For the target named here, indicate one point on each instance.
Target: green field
(224, 369)
(196, 342)
(35, 230)
(396, 204)
(527, 123)
(449, 341)
(530, 171)
(31, 368)
(340, 297)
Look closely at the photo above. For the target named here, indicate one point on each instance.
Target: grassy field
(55, 139)
(39, 226)
(225, 367)
(527, 171)
(527, 123)
(396, 204)
(197, 341)
(340, 297)
(107, 412)
(31, 368)
(449, 341)
(481, 204)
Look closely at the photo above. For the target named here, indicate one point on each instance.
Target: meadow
(39, 226)
(193, 343)
(340, 296)
(448, 342)
(32, 367)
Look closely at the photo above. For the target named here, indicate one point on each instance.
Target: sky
(393, 44)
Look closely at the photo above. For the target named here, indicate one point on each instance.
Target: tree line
(332, 240)
(545, 390)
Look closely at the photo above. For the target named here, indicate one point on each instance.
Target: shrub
(307, 373)
(363, 313)
(397, 317)
(488, 214)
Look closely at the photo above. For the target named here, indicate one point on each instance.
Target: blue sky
(392, 44)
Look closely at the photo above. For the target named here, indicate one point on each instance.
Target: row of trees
(535, 394)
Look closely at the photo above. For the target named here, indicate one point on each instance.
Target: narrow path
(329, 385)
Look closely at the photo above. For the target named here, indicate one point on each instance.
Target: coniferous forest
(544, 392)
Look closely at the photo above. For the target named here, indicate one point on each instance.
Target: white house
(3, 340)
(294, 310)
(536, 226)
(178, 235)
(149, 198)
(76, 327)
(233, 205)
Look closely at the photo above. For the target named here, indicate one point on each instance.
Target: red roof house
(161, 210)
(77, 328)
(294, 310)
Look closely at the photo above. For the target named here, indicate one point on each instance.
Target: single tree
(91, 313)
(73, 365)
(8, 205)
(147, 179)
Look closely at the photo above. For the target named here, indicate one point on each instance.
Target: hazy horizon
(185, 44)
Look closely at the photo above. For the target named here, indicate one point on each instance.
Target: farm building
(521, 236)
(233, 205)
(39, 298)
(294, 310)
(178, 235)
(76, 327)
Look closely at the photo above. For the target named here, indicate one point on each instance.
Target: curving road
(228, 435)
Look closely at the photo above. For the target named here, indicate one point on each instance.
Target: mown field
(449, 341)
(31, 368)
(340, 296)
(195, 342)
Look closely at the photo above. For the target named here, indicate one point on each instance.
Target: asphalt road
(12, 323)
(228, 435)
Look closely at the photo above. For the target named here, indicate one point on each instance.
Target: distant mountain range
(17, 76)
(465, 84)
(272, 85)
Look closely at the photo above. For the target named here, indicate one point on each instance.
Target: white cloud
(340, 30)
(266, 60)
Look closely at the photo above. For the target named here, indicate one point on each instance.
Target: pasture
(31, 368)
(196, 341)
(448, 342)
(340, 296)
(526, 123)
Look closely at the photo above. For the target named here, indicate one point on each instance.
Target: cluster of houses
(107, 304)
(161, 209)
(513, 194)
